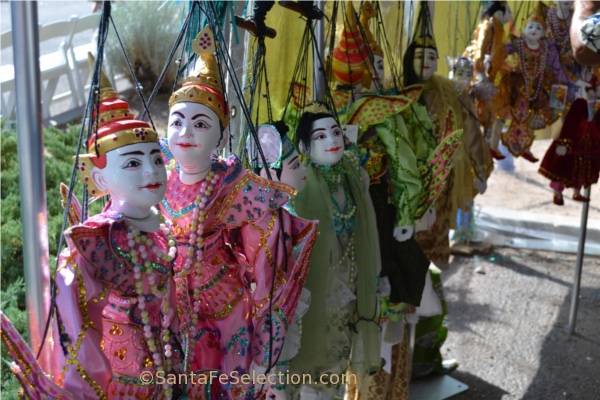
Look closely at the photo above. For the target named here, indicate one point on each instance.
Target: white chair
(84, 41)
(54, 65)
(7, 81)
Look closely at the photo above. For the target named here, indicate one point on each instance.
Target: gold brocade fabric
(435, 242)
(383, 385)
(440, 96)
(488, 39)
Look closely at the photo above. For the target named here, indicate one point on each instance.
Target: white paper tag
(351, 132)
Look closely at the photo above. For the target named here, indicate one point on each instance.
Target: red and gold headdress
(350, 56)
(116, 128)
(204, 85)
(538, 15)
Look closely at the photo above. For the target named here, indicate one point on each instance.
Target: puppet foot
(529, 157)
(578, 197)
(558, 199)
(497, 155)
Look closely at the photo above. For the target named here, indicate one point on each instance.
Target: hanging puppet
(340, 329)
(115, 298)
(285, 165)
(441, 100)
(529, 94)
(243, 259)
(558, 27)
(462, 75)
(572, 159)
(397, 134)
(487, 52)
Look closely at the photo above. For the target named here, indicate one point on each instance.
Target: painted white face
(134, 175)
(379, 69)
(194, 133)
(326, 142)
(425, 62)
(503, 16)
(566, 7)
(293, 172)
(533, 32)
(463, 75)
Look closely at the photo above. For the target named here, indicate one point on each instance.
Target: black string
(136, 83)
(224, 53)
(93, 97)
(163, 73)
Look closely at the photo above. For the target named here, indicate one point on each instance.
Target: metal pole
(32, 177)
(319, 74)
(579, 264)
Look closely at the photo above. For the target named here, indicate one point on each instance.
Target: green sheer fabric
(329, 342)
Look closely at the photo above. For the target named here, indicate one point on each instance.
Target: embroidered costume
(243, 259)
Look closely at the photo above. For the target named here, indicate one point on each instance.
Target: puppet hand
(480, 185)
(427, 221)
(582, 84)
(487, 62)
(403, 233)
(561, 150)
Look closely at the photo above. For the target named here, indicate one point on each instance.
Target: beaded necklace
(332, 174)
(562, 36)
(141, 264)
(538, 74)
(343, 222)
(196, 255)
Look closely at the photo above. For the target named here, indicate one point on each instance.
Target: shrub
(148, 35)
(60, 147)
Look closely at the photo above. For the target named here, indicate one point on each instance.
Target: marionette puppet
(243, 259)
(285, 165)
(115, 299)
(395, 188)
(340, 328)
(442, 102)
(115, 296)
(487, 52)
(558, 20)
(462, 75)
(572, 159)
(529, 94)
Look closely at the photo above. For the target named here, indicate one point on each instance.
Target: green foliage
(60, 147)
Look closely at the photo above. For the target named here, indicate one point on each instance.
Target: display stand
(579, 264)
(436, 387)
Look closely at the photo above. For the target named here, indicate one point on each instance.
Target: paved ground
(506, 326)
(507, 320)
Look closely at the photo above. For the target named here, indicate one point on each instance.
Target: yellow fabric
(452, 34)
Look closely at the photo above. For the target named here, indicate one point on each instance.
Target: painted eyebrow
(293, 159)
(155, 151)
(200, 115)
(136, 153)
(178, 113)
